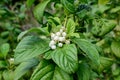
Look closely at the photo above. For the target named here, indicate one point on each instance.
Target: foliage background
(95, 20)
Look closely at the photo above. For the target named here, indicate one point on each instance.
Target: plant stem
(65, 21)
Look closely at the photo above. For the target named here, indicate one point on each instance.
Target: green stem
(65, 21)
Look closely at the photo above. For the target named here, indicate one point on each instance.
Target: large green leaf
(3, 64)
(115, 10)
(43, 71)
(101, 2)
(39, 10)
(24, 67)
(108, 26)
(89, 49)
(29, 2)
(83, 72)
(4, 49)
(105, 63)
(70, 26)
(30, 47)
(46, 70)
(59, 74)
(103, 26)
(68, 6)
(1, 75)
(66, 58)
(115, 46)
(48, 54)
(117, 77)
(39, 30)
(8, 75)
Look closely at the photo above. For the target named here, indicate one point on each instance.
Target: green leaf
(115, 70)
(39, 30)
(20, 36)
(70, 26)
(4, 49)
(68, 6)
(56, 20)
(29, 2)
(74, 35)
(2, 11)
(103, 26)
(24, 67)
(47, 55)
(46, 70)
(3, 64)
(43, 71)
(115, 46)
(102, 2)
(83, 72)
(66, 58)
(116, 9)
(59, 74)
(117, 77)
(105, 63)
(1, 75)
(30, 47)
(39, 10)
(89, 49)
(8, 75)
(107, 27)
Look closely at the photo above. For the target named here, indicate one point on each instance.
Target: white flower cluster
(11, 60)
(58, 39)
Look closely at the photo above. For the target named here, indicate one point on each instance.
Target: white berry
(11, 60)
(52, 35)
(64, 34)
(58, 33)
(63, 27)
(53, 47)
(61, 30)
(56, 38)
(67, 41)
(61, 39)
(52, 43)
(60, 44)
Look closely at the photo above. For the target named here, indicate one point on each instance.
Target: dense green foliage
(85, 38)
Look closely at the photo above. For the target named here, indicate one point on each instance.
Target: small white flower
(11, 60)
(61, 30)
(63, 27)
(64, 34)
(67, 42)
(56, 38)
(61, 39)
(53, 47)
(58, 33)
(52, 43)
(60, 44)
(52, 35)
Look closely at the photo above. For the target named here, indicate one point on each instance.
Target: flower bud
(53, 47)
(58, 33)
(61, 30)
(52, 43)
(56, 38)
(61, 39)
(60, 44)
(64, 34)
(11, 60)
(63, 27)
(52, 35)
(67, 42)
